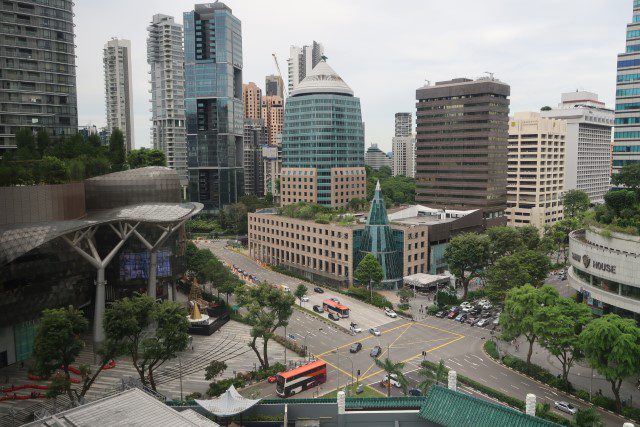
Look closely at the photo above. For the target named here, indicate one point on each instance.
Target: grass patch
(367, 392)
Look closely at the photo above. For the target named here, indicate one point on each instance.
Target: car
(487, 306)
(483, 322)
(355, 347)
(496, 321)
(461, 317)
(485, 314)
(318, 309)
(394, 381)
(336, 300)
(441, 314)
(390, 313)
(355, 328)
(334, 316)
(375, 351)
(272, 379)
(466, 306)
(318, 290)
(476, 310)
(565, 407)
(482, 302)
(360, 389)
(304, 299)
(415, 392)
(471, 320)
(374, 331)
(453, 313)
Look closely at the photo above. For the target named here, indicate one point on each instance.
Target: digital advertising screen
(135, 265)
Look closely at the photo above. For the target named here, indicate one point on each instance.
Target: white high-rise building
(404, 156)
(118, 89)
(404, 124)
(166, 59)
(588, 143)
(301, 61)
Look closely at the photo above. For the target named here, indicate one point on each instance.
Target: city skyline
(519, 48)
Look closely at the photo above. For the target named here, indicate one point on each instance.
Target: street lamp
(180, 371)
(349, 359)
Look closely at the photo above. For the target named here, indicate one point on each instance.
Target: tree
(530, 236)
(25, 145)
(611, 345)
(43, 141)
(268, 199)
(575, 202)
(466, 255)
(503, 241)
(628, 176)
(588, 417)
(146, 157)
(94, 140)
(404, 294)
(52, 171)
(510, 271)
(117, 150)
(212, 270)
(557, 236)
(268, 309)
(229, 285)
(57, 344)
(431, 376)
(392, 368)
(129, 323)
(520, 312)
(235, 217)
(369, 271)
(619, 200)
(214, 369)
(300, 292)
(558, 327)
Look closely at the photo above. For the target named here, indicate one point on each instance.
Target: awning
(228, 404)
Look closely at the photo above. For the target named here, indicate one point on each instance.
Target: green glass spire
(378, 240)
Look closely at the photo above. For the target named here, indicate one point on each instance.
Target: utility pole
(285, 349)
(180, 367)
(338, 370)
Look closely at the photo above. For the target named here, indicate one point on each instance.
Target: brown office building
(462, 146)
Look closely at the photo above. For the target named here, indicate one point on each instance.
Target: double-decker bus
(301, 378)
(336, 307)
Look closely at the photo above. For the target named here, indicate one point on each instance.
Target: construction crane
(284, 86)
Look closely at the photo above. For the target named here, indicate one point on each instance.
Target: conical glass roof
(322, 79)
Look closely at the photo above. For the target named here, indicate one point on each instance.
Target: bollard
(453, 379)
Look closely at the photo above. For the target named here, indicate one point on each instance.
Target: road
(460, 346)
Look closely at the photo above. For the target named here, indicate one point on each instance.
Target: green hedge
(490, 348)
(216, 388)
(536, 372)
(284, 270)
(364, 294)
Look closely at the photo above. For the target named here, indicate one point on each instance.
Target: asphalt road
(458, 345)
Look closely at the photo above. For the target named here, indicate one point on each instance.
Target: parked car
(304, 299)
(374, 331)
(355, 347)
(318, 290)
(394, 381)
(487, 306)
(485, 314)
(441, 314)
(466, 306)
(483, 322)
(476, 310)
(415, 392)
(471, 320)
(390, 312)
(272, 379)
(483, 301)
(360, 389)
(334, 316)
(496, 321)
(565, 407)
(375, 351)
(355, 328)
(453, 313)
(461, 317)
(318, 309)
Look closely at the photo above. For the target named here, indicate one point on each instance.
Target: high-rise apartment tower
(252, 98)
(214, 106)
(404, 124)
(37, 69)
(461, 146)
(273, 116)
(118, 88)
(404, 155)
(274, 86)
(166, 60)
(301, 61)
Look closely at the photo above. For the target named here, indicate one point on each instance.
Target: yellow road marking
(343, 371)
(385, 351)
(416, 356)
(410, 344)
(365, 385)
(361, 340)
(439, 329)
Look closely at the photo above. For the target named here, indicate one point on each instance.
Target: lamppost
(180, 371)
(349, 359)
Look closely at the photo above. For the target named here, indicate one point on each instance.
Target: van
(285, 288)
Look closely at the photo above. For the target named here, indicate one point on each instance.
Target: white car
(374, 331)
(390, 313)
(466, 306)
(355, 328)
(304, 299)
(565, 407)
(394, 381)
(483, 301)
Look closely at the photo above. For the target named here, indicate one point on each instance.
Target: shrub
(194, 395)
(404, 306)
(604, 402)
(216, 388)
(631, 412)
(535, 372)
(433, 309)
(583, 394)
(490, 348)
(284, 270)
(472, 295)
(295, 347)
(363, 294)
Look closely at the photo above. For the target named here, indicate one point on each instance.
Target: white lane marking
(511, 385)
(453, 361)
(495, 378)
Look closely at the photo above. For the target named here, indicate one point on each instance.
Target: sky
(384, 50)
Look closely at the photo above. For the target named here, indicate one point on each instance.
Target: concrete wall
(40, 203)
(7, 344)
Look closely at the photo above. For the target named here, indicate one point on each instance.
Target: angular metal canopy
(228, 404)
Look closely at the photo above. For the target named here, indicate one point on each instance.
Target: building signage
(598, 265)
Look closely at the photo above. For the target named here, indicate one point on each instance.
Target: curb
(564, 393)
(325, 321)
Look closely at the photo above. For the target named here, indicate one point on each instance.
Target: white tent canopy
(228, 404)
(426, 281)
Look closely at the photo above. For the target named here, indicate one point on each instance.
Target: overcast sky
(384, 49)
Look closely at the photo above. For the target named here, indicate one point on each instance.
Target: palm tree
(431, 375)
(392, 368)
(587, 418)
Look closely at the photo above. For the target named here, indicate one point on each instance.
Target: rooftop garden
(621, 210)
(318, 213)
(41, 159)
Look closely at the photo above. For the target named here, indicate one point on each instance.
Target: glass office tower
(322, 142)
(213, 102)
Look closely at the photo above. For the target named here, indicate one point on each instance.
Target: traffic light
(358, 372)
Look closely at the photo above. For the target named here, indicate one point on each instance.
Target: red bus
(301, 378)
(336, 307)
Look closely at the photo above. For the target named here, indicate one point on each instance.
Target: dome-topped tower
(322, 79)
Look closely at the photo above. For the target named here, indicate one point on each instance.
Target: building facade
(404, 124)
(273, 116)
(376, 158)
(626, 144)
(37, 69)
(255, 137)
(274, 86)
(535, 180)
(404, 156)
(118, 89)
(606, 271)
(323, 159)
(271, 167)
(214, 105)
(461, 146)
(301, 61)
(587, 144)
(252, 98)
(166, 60)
